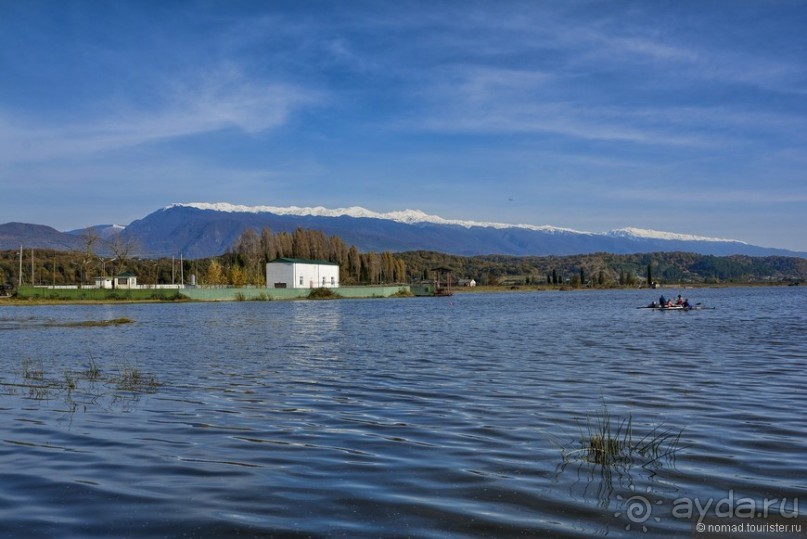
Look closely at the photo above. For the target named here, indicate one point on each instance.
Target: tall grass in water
(131, 378)
(33, 370)
(93, 371)
(612, 441)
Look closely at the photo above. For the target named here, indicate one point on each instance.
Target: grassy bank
(30, 294)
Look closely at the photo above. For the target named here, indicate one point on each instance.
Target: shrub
(322, 293)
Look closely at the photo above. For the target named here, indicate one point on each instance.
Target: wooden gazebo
(442, 281)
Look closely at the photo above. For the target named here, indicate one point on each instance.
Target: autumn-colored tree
(214, 274)
(237, 276)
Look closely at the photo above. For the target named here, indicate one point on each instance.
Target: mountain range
(200, 230)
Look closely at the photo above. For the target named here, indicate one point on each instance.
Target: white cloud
(711, 196)
(191, 106)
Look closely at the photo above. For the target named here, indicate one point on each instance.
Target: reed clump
(89, 385)
(33, 370)
(103, 323)
(93, 372)
(91, 323)
(131, 378)
(610, 441)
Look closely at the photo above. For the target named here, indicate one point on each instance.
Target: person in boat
(680, 300)
(686, 303)
(662, 302)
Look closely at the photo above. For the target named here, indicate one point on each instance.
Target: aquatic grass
(402, 294)
(131, 378)
(33, 370)
(100, 323)
(69, 381)
(610, 441)
(89, 386)
(93, 371)
(88, 323)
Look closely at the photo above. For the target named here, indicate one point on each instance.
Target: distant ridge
(202, 229)
(12, 235)
(417, 216)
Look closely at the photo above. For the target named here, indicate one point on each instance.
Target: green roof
(302, 261)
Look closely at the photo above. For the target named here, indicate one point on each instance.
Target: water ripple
(429, 417)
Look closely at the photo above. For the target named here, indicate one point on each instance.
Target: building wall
(127, 282)
(302, 275)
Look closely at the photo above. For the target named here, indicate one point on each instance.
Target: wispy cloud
(724, 196)
(222, 99)
(492, 100)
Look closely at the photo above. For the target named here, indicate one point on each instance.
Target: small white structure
(300, 273)
(103, 282)
(124, 280)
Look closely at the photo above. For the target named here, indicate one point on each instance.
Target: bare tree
(89, 239)
(248, 246)
(123, 249)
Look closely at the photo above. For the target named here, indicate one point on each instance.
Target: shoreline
(14, 301)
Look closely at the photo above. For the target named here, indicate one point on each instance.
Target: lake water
(421, 417)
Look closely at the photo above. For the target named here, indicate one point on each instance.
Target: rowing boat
(697, 307)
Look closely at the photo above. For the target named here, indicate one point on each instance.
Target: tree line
(243, 264)
(610, 270)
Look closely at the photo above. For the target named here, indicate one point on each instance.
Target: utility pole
(32, 268)
(20, 277)
(181, 270)
(173, 271)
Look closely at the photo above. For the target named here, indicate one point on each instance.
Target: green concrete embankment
(248, 294)
(203, 293)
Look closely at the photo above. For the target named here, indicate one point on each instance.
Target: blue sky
(680, 116)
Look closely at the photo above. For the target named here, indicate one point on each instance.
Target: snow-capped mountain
(201, 229)
(642, 233)
(405, 216)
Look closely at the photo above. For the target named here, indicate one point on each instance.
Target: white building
(124, 280)
(300, 273)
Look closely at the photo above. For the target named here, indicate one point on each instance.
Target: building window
(333, 281)
(122, 281)
(323, 281)
(301, 280)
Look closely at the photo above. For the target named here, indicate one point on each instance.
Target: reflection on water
(418, 417)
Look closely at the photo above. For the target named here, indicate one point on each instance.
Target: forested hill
(605, 269)
(244, 264)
